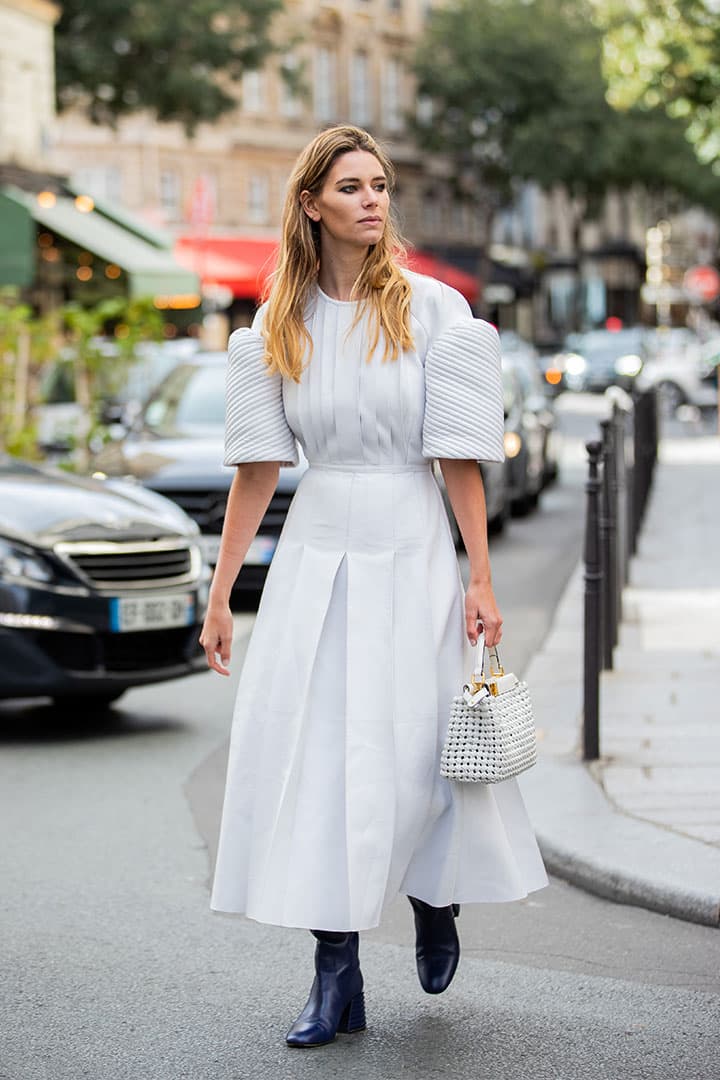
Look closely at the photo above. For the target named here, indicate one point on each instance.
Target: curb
(583, 838)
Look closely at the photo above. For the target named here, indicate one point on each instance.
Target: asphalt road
(114, 969)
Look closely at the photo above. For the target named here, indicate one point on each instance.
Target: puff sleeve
(256, 428)
(464, 415)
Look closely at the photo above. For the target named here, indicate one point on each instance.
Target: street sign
(702, 282)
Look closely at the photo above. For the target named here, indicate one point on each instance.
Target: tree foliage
(519, 93)
(666, 53)
(67, 342)
(115, 57)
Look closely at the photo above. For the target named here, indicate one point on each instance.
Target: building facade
(27, 80)
(351, 64)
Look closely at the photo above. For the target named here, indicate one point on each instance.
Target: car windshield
(191, 401)
(605, 346)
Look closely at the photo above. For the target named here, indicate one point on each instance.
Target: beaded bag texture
(491, 731)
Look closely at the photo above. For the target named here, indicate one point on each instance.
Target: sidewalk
(642, 825)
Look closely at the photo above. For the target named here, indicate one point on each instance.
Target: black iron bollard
(593, 581)
(608, 601)
(618, 481)
(625, 420)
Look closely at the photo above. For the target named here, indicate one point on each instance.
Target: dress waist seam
(382, 469)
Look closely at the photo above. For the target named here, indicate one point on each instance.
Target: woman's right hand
(216, 637)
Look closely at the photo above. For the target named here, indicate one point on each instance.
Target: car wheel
(522, 506)
(670, 397)
(83, 703)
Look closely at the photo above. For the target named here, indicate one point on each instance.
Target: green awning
(17, 244)
(151, 271)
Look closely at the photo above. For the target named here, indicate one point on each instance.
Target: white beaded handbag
(491, 732)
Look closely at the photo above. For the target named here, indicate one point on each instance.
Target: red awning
(243, 264)
(422, 262)
(240, 263)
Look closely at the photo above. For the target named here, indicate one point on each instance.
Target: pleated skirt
(334, 801)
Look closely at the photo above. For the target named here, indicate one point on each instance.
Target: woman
(334, 802)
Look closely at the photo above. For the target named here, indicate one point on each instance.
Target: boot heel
(353, 1018)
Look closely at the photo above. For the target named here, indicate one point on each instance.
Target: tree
(519, 93)
(66, 342)
(667, 53)
(115, 57)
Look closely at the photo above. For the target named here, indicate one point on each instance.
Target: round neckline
(333, 300)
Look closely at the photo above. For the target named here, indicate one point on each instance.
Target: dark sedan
(102, 587)
(595, 360)
(176, 448)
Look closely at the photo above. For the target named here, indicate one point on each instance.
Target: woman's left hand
(480, 607)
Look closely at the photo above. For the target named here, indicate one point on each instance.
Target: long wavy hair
(381, 287)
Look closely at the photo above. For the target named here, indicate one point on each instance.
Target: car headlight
(628, 365)
(513, 444)
(574, 364)
(22, 564)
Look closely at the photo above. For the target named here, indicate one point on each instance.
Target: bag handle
(477, 679)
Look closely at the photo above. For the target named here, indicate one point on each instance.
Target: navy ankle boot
(336, 1001)
(437, 948)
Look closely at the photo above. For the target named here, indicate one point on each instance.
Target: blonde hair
(381, 287)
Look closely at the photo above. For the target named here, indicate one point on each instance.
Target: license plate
(151, 612)
(260, 552)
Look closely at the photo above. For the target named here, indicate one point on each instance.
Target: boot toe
(308, 1035)
(436, 977)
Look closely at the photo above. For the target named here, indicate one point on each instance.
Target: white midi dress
(334, 801)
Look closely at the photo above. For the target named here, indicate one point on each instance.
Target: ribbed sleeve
(463, 394)
(256, 428)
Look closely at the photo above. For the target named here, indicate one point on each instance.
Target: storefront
(59, 245)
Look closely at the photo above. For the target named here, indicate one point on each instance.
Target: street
(115, 969)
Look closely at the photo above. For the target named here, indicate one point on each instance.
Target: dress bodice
(349, 408)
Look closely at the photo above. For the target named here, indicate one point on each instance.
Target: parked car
(681, 367)
(60, 419)
(524, 445)
(594, 360)
(102, 587)
(524, 360)
(175, 448)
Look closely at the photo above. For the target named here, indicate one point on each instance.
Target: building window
(392, 111)
(290, 104)
(258, 199)
(170, 194)
(102, 181)
(424, 110)
(253, 91)
(325, 79)
(360, 97)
